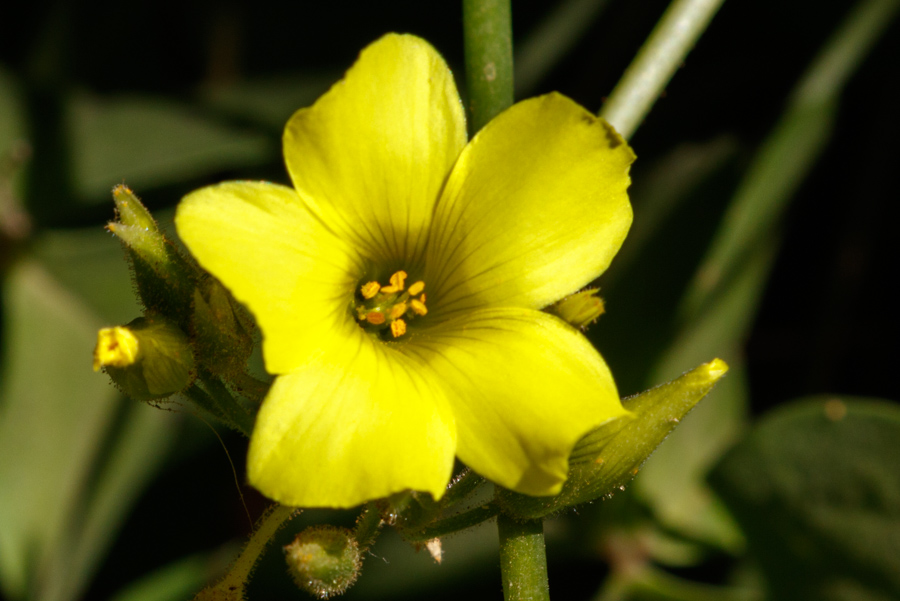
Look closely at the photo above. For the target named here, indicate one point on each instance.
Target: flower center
(390, 306)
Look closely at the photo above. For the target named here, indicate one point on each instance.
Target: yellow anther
(422, 298)
(398, 310)
(375, 318)
(416, 288)
(398, 280)
(398, 328)
(370, 290)
(418, 307)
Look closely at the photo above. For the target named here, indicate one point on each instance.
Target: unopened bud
(148, 359)
(324, 560)
(163, 276)
(131, 211)
(221, 330)
(580, 309)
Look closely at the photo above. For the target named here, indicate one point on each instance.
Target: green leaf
(270, 101)
(174, 582)
(816, 488)
(90, 263)
(721, 301)
(54, 415)
(12, 111)
(149, 142)
(73, 457)
(610, 456)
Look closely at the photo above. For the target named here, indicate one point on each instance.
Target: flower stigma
(382, 308)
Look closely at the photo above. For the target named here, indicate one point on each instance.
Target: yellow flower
(399, 284)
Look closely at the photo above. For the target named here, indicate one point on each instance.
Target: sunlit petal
(348, 427)
(535, 209)
(371, 155)
(524, 387)
(296, 277)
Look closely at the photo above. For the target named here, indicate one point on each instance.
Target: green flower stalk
(399, 284)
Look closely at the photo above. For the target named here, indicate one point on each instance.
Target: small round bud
(324, 560)
(148, 359)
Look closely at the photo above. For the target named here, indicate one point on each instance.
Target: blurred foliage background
(765, 208)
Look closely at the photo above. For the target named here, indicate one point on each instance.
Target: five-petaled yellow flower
(399, 284)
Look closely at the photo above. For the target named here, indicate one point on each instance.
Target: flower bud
(607, 458)
(324, 560)
(148, 359)
(221, 330)
(580, 309)
(163, 276)
(131, 211)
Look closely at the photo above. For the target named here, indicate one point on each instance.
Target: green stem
(648, 74)
(236, 579)
(523, 560)
(240, 418)
(487, 34)
(453, 524)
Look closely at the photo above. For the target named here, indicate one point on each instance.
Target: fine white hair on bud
(324, 560)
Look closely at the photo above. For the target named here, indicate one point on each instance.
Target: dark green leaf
(147, 142)
(816, 489)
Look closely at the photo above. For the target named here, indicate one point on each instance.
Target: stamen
(375, 318)
(418, 306)
(398, 328)
(391, 305)
(398, 310)
(397, 282)
(370, 290)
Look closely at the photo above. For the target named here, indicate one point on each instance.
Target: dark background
(827, 322)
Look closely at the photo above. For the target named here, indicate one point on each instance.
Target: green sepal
(163, 365)
(221, 330)
(607, 458)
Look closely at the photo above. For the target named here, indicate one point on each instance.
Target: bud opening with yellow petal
(148, 359)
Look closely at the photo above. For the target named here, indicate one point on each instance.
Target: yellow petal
(352, 427)
(371, 155)
(535, 208)
(524, 387)
(262, 243)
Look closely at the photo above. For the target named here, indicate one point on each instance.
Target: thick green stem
(487, 34)
(523, 560)
(648, 74)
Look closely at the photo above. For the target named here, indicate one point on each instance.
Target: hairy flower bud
(163, 276)
(221, 329)
(148, 359)
(324, 560)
